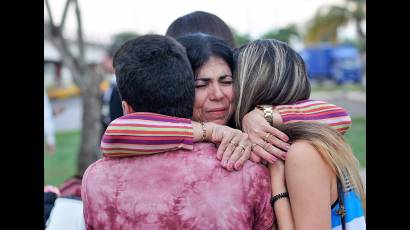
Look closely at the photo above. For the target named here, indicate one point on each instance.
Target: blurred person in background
(49, 128)
(63, 206)
(111, 101)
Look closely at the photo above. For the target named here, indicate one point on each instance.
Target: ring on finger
(234, 144)
(267, 146)
(266, 137)
(243, 148)
(253, 146)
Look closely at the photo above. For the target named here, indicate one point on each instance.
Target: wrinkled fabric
(176, 190)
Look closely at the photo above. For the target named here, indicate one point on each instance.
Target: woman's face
(214, 92)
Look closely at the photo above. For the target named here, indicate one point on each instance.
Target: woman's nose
(216, 92)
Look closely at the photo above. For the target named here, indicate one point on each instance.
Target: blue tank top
(354, 214)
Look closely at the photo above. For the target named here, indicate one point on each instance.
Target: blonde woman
(319, 186)
(321, 179)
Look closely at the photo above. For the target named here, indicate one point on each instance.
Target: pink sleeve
(318, 111)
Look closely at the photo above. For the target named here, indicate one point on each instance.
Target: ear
(126, 108)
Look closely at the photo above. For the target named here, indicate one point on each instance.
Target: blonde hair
(333, 149)
(268, 71)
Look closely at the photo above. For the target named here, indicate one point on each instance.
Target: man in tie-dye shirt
(176, 189)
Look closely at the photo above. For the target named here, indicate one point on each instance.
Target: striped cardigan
(319, 111)
(146, 133)
(150, 133)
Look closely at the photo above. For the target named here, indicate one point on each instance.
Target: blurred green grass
(62, 165)
(317, 87)
(356, 137)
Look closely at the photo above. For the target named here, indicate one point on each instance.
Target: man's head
(154, 75)
(203, 22)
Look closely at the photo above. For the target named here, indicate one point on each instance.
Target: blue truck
(339, 63)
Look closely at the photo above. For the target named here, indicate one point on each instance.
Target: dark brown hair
(203, 22)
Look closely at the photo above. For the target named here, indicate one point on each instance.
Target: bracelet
(276, 197)
(203, 131)
(267, 112)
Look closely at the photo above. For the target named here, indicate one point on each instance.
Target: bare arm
(283, 212)
(309, 181)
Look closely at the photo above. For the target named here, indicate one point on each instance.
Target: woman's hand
(268, 142)
(234, 148)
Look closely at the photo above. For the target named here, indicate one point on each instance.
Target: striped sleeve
(146, 133)
(319, 111)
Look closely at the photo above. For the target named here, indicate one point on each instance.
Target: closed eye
(226, 79)
(200, 83)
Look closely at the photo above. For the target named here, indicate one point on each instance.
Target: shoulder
(304, 159)
(98, 166)
(301, 150)
(102, 171)
(89, 174)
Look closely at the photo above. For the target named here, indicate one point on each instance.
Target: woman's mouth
(217, 112)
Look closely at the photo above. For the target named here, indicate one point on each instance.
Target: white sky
(104, 18)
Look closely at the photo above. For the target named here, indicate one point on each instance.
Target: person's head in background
(117, 41)
(268, 71)
(154, 75)
(107, 60)
(211, 61)
(202, 22)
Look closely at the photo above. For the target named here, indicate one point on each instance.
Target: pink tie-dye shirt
(176, 190)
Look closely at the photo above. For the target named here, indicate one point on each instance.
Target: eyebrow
(208, 79)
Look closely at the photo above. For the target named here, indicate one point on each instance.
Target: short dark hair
(200, 21)
(200, 47)
(154, 75)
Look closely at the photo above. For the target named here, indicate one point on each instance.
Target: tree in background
(327, 20)
(284, 34)
(323, 26)
(120, 38)
(86, 76)
(241, 39)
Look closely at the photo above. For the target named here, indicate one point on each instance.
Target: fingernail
(272, 159)
(238, 165)
(287, 147)
(230, 166)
